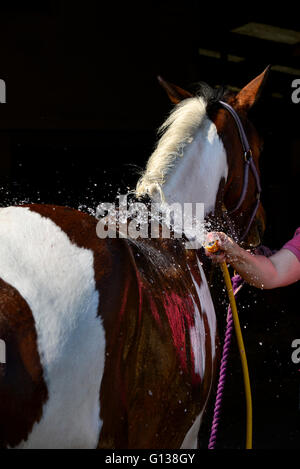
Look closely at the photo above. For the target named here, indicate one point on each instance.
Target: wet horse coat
(138, 322)
(111, 343)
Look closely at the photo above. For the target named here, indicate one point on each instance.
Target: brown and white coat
(112, 343)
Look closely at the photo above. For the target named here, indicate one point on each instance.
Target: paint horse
(112, 343)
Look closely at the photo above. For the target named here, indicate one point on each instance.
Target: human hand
(227, 248)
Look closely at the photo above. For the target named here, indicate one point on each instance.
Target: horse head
(200, 157)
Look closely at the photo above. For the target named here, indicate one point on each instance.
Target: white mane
(176, 132)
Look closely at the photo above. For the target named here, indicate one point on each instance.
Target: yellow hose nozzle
(213, 247)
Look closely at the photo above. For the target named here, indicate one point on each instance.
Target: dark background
(83, 106)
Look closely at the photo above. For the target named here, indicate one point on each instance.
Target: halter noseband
(248, 163)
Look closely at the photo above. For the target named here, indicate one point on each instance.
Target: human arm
(278, 270)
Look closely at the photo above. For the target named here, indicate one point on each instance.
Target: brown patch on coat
(147, 399)
(231, 191)
(23, 390)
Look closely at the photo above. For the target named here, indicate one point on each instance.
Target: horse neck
(197, 176)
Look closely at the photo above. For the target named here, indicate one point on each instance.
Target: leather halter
(249, 163)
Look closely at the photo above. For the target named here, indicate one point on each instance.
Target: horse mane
(175, 133)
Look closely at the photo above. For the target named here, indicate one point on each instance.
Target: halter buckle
(248, 155)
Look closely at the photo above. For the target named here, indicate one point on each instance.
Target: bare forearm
(256, 270)
(278, 270)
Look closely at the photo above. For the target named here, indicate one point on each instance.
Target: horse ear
(175, 93)
(251, 92)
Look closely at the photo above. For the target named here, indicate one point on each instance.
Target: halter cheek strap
(249, 163)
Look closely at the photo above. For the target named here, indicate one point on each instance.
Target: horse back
(110, 341)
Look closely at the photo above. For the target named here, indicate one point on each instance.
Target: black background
(83, 106)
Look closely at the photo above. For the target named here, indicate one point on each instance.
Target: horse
(112, 343)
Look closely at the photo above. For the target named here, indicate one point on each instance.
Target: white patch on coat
(197, 176)
(197, 332)
(189, 160)
(197, 336)
(191, 438)
(207, 306)
(198, 341)
(56, 278)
